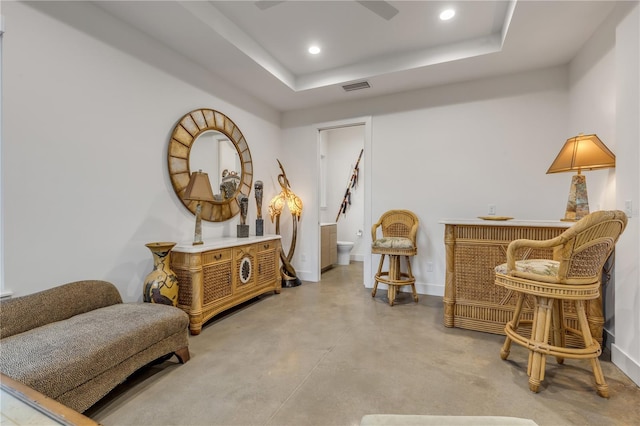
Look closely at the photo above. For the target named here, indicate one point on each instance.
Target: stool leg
(375, 280)
(515, 322)
(539, 340)
(394, 275)
(391, 294)
(411, 277)
(601, 384)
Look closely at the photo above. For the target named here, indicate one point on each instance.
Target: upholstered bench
(76, 342)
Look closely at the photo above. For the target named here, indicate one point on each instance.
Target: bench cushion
(19, 314)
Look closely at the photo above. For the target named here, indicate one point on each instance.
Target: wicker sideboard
(223, 273)
(473, 248)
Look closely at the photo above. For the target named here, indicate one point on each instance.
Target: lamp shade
(199, 187)
(583, 152)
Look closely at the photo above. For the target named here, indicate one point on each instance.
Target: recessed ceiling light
(314, 50)
(447, 14)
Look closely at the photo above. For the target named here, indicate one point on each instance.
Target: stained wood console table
(474, 247)
(224, 272)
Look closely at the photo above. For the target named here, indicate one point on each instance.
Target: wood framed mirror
(215, 134)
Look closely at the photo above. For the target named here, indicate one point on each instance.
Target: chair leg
(410, 276)
(533, 327)
(515, 322)
(558, 336)
(539, 338)
(601, 384)
(391, 294)
(375, 280)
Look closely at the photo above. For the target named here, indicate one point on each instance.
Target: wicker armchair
(399, 229)
(573, 275)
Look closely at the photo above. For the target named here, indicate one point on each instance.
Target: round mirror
(209, 140)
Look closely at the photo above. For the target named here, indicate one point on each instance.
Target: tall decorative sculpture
(243, 228)
(288, 273)
(259, 221)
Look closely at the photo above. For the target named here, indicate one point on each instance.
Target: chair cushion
(393, 242)
(545, 267)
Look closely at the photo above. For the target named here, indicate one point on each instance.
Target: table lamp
(198, 189)
(582, 152)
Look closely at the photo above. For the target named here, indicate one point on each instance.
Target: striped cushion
(544, 267)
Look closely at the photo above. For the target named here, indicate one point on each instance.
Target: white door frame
(366, 122)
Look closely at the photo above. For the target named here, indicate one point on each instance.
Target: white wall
(2, 291)
(343, 147)
(625, 352)
(592, 97)
(604, 99)
(450, 151)
(86, 128)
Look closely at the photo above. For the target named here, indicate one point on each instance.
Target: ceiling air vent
(356, 86)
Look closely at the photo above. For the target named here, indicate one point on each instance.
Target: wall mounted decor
(217, 136)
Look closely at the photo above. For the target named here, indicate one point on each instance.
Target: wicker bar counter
(474, 247)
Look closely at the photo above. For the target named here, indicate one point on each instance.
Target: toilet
(344, 249)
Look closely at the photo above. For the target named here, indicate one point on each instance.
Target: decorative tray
(495, 217)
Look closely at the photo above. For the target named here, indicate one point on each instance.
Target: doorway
(345, 199)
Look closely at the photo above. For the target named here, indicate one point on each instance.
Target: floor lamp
(286, 196)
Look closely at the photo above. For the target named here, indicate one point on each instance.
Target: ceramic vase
(161, 285)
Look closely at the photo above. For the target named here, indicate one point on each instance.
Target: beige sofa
(76, 342)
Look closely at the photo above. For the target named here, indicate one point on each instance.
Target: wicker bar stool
(399, 229)
(573, 275)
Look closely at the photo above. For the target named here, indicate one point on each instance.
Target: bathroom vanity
(328, 245)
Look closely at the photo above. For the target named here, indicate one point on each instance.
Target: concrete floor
(327, 353)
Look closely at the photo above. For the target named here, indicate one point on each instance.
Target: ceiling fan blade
(266, 4)
(380, 8)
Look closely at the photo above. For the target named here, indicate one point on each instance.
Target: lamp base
(578, 202)
(291, 282)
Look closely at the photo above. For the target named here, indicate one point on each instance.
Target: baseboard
(608, 339)
(624, 362)
(306, 276)
(430, 289)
